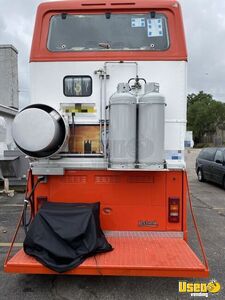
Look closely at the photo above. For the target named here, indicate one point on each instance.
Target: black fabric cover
(63, 235)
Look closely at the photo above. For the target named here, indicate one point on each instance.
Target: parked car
(210, 165)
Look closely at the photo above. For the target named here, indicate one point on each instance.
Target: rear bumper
(134, 254)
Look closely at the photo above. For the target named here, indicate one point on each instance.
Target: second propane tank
(151, 127)
(122, 128)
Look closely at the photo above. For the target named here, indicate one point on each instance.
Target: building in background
(9, 76)
(13, 164)
(7, 115)
(9, 102)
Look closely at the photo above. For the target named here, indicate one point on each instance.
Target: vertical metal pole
(104, 103)
(100, 119)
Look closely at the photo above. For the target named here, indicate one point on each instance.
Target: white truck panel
(47, 87)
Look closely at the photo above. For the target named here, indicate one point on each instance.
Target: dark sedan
(210, 165)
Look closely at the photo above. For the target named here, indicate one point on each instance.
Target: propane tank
(39, 131)
(122, 128)
(151, 127)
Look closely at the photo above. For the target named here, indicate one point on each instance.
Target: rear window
(208, 154)
(105, 32)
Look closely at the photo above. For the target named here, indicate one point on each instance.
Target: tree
(204, 115)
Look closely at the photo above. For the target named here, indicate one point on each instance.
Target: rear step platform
(134, 254)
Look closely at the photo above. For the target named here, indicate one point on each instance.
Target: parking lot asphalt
(209, 207)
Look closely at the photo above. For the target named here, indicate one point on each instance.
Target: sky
(205, 34)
